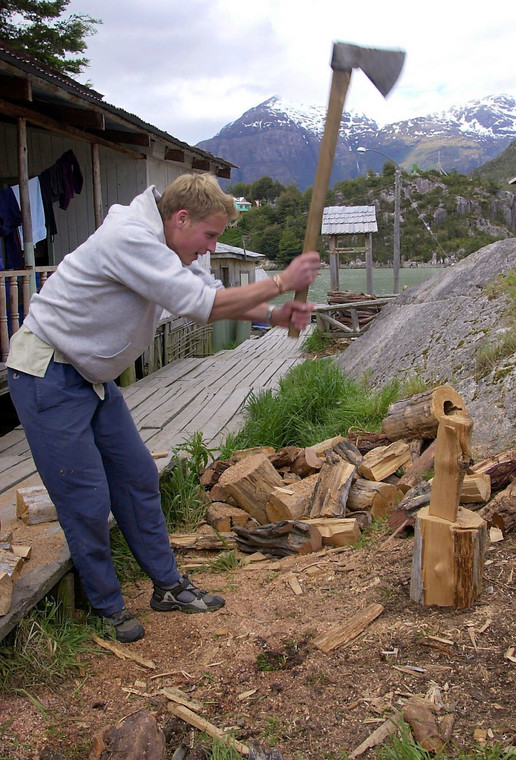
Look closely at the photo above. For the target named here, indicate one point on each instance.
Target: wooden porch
(168, 406)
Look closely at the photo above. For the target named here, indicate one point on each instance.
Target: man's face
(190, 239)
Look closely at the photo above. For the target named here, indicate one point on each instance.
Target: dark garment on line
(60, 182)
(73, 178)
(10, 220)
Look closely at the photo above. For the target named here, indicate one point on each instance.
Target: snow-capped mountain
(281, 140)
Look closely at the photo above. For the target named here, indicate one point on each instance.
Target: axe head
(382, 67)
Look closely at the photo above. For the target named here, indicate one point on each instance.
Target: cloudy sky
(191, 66)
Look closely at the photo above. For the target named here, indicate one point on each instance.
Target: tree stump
(450, 541)
(419, 416)
(250, 482)
(448, 560)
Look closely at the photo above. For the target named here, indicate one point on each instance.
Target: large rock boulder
(436, 329)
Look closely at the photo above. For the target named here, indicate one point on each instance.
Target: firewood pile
(364, 314)
(295, 500)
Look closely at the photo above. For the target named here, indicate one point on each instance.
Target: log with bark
(365, 441)
(212, 473)
(306, 463)
(419, 415)
(405, 512)
(419, 714)
(284, 457)
(501, 469)
(501, 510)
(250, 482)
(377, 498)
(414, 474)
(280, 539)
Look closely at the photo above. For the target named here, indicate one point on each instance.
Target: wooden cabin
(45, 117)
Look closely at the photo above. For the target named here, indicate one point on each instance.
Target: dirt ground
(254, 667)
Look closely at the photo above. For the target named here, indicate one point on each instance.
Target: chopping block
(450, 541)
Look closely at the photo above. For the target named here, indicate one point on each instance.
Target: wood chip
(123, 653)
(343, 633)
(377, 737)
(180, 698)
(180, 711)
(246, 694)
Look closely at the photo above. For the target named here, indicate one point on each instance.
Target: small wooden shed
(234, 266)
(339, 221)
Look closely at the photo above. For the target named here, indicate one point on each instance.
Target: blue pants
(92, 460)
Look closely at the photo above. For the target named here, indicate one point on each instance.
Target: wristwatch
(270, 309)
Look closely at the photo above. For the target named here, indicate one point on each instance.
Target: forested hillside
(443, 216)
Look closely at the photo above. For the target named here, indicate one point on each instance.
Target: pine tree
(37, 27)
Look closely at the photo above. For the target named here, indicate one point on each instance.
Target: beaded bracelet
(279, 283)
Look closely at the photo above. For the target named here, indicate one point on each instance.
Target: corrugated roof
(348, 220)
(232, 250)
(58, 83)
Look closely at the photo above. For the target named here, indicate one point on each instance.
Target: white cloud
(190, 68)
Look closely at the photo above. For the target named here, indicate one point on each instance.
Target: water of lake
(355, 280)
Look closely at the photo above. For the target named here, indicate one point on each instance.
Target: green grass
(181, 494)
(45, 648)
(315, 401)
(491, 353)
(316, 342)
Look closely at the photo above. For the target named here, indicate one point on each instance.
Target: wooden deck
(168, 406)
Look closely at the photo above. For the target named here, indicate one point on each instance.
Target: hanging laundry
(10, 219)
(60, 182)
(37, 212)
(73, 178)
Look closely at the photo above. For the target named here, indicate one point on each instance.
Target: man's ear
(182, 217)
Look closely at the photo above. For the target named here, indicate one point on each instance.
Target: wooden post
(369, 263)
(334, 264)
(450, 541)
(97, 186)
(23, 178)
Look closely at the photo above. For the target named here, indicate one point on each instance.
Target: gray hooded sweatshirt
(101, 306)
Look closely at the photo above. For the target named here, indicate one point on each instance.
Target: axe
(383, 68)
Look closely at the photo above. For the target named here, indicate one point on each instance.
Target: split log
(22, 550)
(33, 505)
(448, 559)
(501, 469)
(240, 454)
(501, 510)
(414, 474)
(250, 482)
(203, 541)
(223, 517)
(365, 441)
(291, 502)
(331, 491)
(383, 461)
(343, 633)
(284, 457)
(306, 463)
(419, 715)
(329, 443)
(335, 531)
(137, 737)
(419, 415)
(377, 498)
(452, 459)
(10, 568)
(475, 489)
(212, 473)
(280, 539)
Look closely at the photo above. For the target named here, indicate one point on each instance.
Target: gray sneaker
(126, 627)
(186, 597)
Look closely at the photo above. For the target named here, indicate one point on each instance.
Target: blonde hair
(200, 195)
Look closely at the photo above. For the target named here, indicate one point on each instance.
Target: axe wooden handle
(338, 91)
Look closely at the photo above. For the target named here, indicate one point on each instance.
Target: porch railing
(14, 301)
